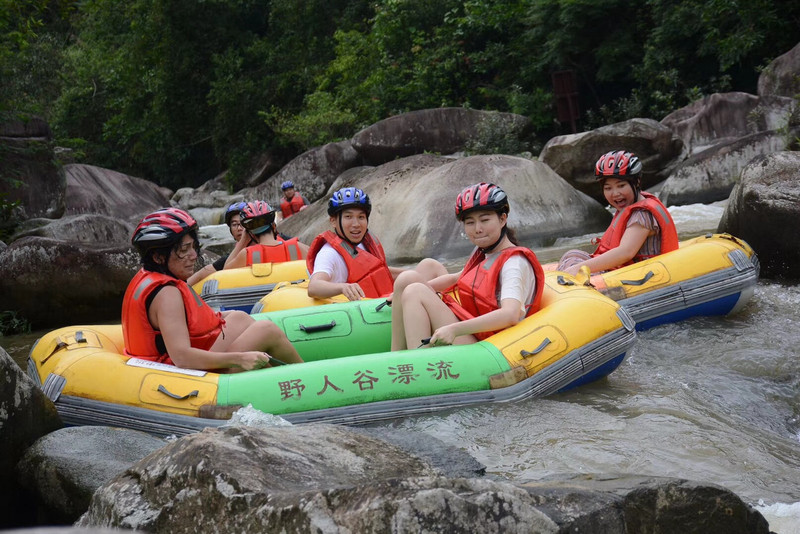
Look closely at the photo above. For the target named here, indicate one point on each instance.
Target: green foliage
(11, 323)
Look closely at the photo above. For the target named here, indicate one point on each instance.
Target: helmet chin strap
(490, 248)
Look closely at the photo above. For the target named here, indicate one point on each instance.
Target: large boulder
(26, 414)
(29, 174)
(573, 156)
(96, 190)
(312, 172)
(64, 468)
(313, 478)
(710, 175)
(723, 117)
(782, 76)
(764, 210)
(413, 198)
(53, 283)
(92, 230)
(441, 130)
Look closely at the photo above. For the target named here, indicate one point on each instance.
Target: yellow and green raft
(349, 374)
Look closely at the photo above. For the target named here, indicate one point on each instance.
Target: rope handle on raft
(164, 390)
(639, 282)
(524, 353)
(317, 328)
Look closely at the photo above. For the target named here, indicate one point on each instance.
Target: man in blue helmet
(292, 201)
(348, 260)
(233, 220)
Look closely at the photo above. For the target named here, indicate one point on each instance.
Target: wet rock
(30, 174)
(722, 118)
(26, 414)
(312, 172)
(64, 468)
(710, 175)
(764, 209)
(441, 130)
(101, 191)
(413, 198)
(630, 503)
(573, 156)
(54, 283)
(782, 76)
(302, 479)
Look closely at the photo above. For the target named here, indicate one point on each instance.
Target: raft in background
(714, 274)
(241, 288)
(349, 376)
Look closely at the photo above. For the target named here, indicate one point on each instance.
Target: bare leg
(426, 270)
(424, 312)
(243, 333)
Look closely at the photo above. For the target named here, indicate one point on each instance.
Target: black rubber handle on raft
(318, 327)
(647, 277)
(425, 341)
(79, 338)
(163, 390)
(524, 353)
(380, 306)
(564, 282)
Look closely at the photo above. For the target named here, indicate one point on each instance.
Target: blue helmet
(233, 209)
(349, 197)
(287, 185)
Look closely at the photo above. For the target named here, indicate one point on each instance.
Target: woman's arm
(240, 260)
(632, 240)
(507, 315)
(202, 273)
(168, 315)
(321, 287)
(242, 244)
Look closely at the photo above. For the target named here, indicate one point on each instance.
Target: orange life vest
(613, 235)
(477, 286)
(366, 268)
(284, 251)
(139, 335)
(290, 207)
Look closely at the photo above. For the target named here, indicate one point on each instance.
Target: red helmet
(162, 228)
(481, 197)
(619, 164)
(257, 217)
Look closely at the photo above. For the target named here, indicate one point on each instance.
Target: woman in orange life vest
(164, 320)
(641, 228)
(258, 220)
(292, 201)
(348, 260)
(501, 283)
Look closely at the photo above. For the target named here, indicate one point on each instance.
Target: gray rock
(764, 209)
(723, 117)
(312, 172)
(96, 190)
(90, 230)
(53, 283)
(782, 76)
(441, 130)
(26, 414)
(312, 478)
(710, 175)
(37, 182)
(205, 196)
(64, 468)
(630, 503)
(413, 198)
(64, 530)
(573, 157)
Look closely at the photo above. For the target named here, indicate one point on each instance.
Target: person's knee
(414, 292)
(406, 278)
(269, 330)
(430, 268)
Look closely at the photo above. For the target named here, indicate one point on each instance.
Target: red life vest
(290, 207)
(613, 235)
(366, 268)
(284, 251)
(477, 286)
(139, 335)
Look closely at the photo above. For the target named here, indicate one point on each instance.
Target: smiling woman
(164, 320)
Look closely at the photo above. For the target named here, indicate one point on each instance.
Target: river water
(709, 399)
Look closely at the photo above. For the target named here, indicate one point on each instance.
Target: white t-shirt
(331, 262)
(516, 282)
